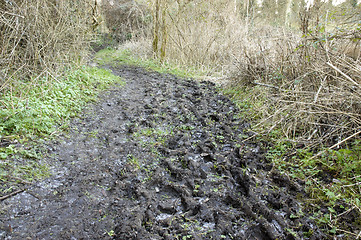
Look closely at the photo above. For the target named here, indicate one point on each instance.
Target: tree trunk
(156, 28)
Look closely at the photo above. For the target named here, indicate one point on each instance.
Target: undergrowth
(331, 176)
(40, 36)
(37, 111)
(48, 103)
(332, 181)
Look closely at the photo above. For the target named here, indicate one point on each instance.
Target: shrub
(312, 81)
(126, 19)
(40, 37)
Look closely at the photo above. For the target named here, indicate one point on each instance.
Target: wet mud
(159, 158)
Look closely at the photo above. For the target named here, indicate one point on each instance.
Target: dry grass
(203, 33)
(41, 37)
(312, 83)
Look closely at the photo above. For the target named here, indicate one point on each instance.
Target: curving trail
(158, 158)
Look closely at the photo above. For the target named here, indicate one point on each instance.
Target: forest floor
(159, 158)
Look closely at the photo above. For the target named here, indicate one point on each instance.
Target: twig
(341, 230)
(357, 207)
(278, 123)
(337, 144)
(345, 212)
(267, 85)
(11, 194)
(356, 177)
(331, 110)
(19, 179)
(12, 14)
(351, 185)
(264, 120)
(343, 74)
(319, 90)
(254, 135)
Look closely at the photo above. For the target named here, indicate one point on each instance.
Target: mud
(159, 158)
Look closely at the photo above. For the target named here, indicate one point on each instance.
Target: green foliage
(50, 102)
(111, 233)
(133, 160)
(20, 166)
(250, 101)
(331, 179)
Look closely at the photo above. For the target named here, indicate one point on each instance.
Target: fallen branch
(11, 194)
(343, 74)
(267, 85)
(18, 179)
(351, 185)
(337, 144)
(12, 14)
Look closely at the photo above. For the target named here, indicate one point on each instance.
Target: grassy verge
(114, 57)
(332, 177)
(38, 110)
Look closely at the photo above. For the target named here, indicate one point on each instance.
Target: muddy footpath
(158, 158)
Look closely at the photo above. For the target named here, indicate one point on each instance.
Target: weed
(187, 237)
(110, 233)
(220, 138)
(52, 103)
(133, 160)
(196, 188)
(93, 133)
(186, 127)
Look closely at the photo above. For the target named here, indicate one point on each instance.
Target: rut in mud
(158, 158)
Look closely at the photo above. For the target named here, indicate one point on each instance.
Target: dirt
(159, 158)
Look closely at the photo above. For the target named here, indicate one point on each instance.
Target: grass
(37, 111)
(110, 56)
(49, 103)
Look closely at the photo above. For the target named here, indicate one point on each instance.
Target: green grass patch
(37, 109)
(49, 103)
(332, 182)
(109, 56)
(250, 101)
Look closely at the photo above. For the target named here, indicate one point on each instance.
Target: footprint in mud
(159, 158)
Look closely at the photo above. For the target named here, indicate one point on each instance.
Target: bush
(40, 37)
(126, 19)
(312, 82)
